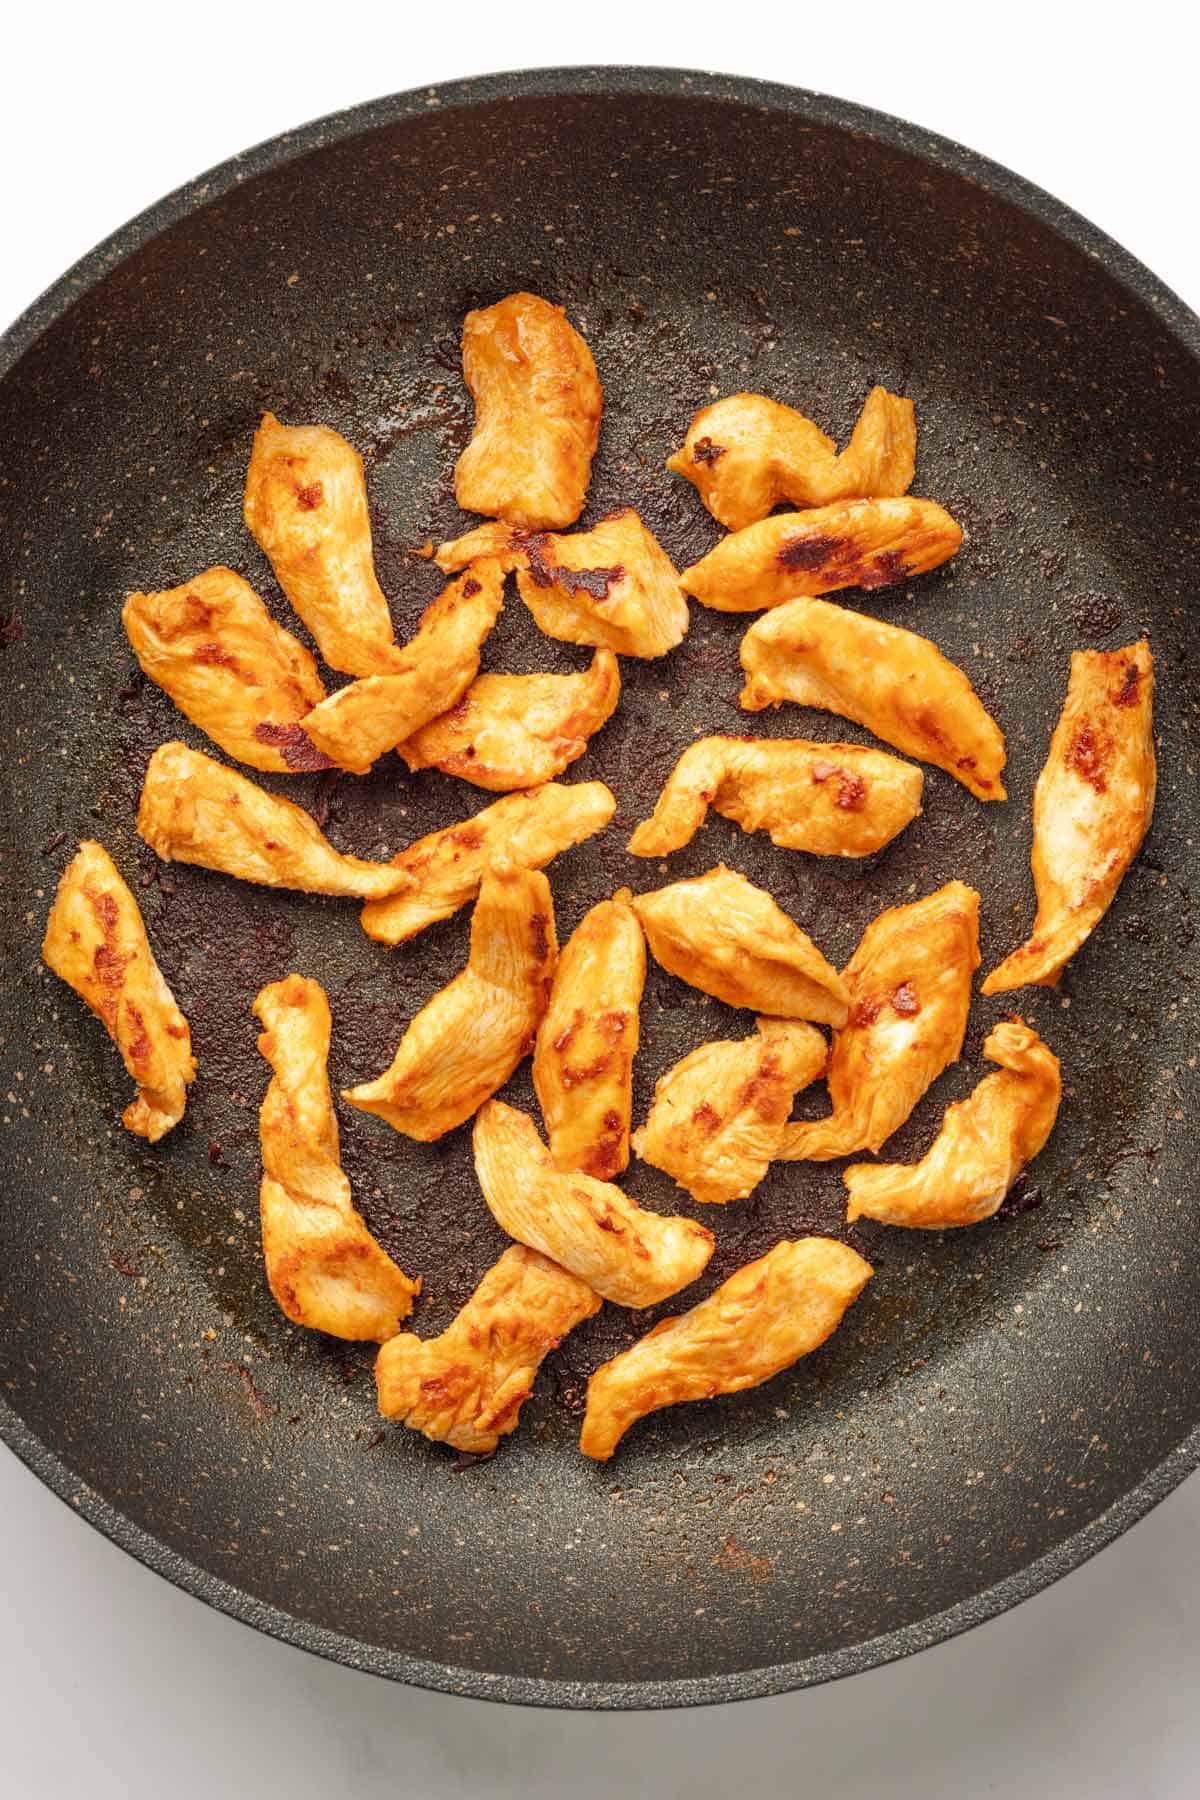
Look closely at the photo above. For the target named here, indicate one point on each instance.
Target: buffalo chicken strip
(325, 1269)
(466, 1387)
(759, 1322)
(629, 1256)
(96, 942)
(894, 682)
(1091, 809)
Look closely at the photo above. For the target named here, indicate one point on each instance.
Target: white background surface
(117, 1685)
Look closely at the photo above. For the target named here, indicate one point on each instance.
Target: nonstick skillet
(1003, 1400)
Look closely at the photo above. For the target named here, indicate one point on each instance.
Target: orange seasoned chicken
(1091, 809)
(721, 934)
(514, 731)
(745, 453)
(245, 681)
(985, 1142)
(828, 799)
(96, 942)
(583, 1061)
(719, 1115)
(195, 810)
(306, 505)
(467, 1387)
(760, 1321)
(629, 1256)
(894, 682)
(909, 984)
(468, 1040)
(374, 714)
(325, 1269)
(537, 414)
(855, 543)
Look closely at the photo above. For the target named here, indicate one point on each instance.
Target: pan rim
(568, 83)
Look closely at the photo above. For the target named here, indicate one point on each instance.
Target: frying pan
(1003, 1400)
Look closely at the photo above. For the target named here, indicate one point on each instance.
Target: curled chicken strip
(538, 406)
(909, 984)
(723, 935)
(306, 506)
(894, 682)
(325, 1269)
(1091, 809)
(446, 868)
(854, 543)
(985, 1142)
(828, 799)
(632, 1257)
(760, 1321)
(514, 731)
(745, 453)
(583, 1060)
(719, 1115)
(466, 1387)
(96, 942)
(213, 647)
(468, 1040)
(195, 810)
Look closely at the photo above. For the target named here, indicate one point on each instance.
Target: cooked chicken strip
(828, 799)
(1091, 809)
(306, 505)
(468, 1040)
(894, 682)
(325, 1269)
(854, 543)
(194, 810)
(537, 414)
(370, 716)
(719, 1115)
(745, 453)
(446, 868)
(583, 1060)
(760, 1321)
(467, 1387)
(514, 731)
(723, 935)
(245, 681)
(96, 942)
(985, 1142)
(632, 1257)
(909, 984)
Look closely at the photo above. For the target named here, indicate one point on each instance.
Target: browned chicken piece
(746, 453)
(325, 1269)
(909, 984)
(760, 1321)
(632, 1257)
(468, 1040)
(828, 799)
(467, 1387)
(855, 543)
(721, 934)
(985, 1142)
(1091, 809)
(214, 648)
(537, 414)
(583, 1060)
(719, 1115)
(514, 731)
(374, 714)
(195, 810)
(894, 682)
(96, 942)
(306, 505)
